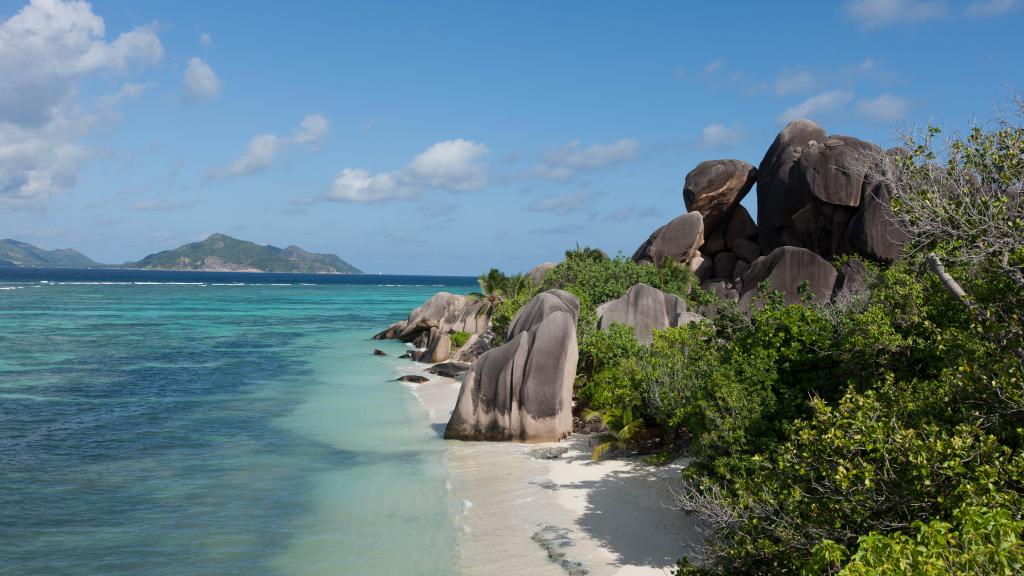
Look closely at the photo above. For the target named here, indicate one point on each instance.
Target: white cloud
(200, 81)
(718, 136)
(258, 156)
(564, 162)
(793, 82)
(311, 131)
(879, 13)
(986, 8)
(453, 165)
(45, 50)
(562, 204)
(263, 149)
(356, 185)
(817, 104)
(885, 108)
(205, 40)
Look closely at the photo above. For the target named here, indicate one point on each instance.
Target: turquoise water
(205, 429)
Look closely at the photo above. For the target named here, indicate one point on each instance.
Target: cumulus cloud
(453, 165)
(879, 13)
(200, 82)
(884, 108)
(817, 104)
(264, 149)
(258, 156)
(562, 204)
(205, 40)
(719, 136)
(986, 8)
(793, 82)
(46, 49)
(564, 162)
(311, 131)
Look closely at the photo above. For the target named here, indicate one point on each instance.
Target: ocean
(215, 423)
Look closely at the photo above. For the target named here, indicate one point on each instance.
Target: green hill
(222, 253)
(15, 254)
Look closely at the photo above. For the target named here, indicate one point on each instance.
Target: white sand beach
(612, 517)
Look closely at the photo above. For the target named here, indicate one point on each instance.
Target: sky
(447, 137)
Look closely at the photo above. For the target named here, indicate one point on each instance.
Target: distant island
(15, 254)
(217, 253)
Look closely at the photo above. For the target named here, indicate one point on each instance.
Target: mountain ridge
(217, 253)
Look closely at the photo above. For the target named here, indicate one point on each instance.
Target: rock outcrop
(645, 309)
(819, 192)
(430, 324)
(678, 240)
(715, 187)
(785, 269)
(522, 390)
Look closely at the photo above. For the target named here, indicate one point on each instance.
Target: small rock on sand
(412, 378)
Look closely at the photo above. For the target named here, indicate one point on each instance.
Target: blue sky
(416, 137)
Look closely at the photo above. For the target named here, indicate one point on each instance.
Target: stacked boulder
(817, 196)
(820, 192)
(429, 327)
(522, 390)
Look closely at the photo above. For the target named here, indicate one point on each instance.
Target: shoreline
(523, 513)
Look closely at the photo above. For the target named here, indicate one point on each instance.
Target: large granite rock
(780, 192)
(536, 275)
(438, 349)
(851, 280)
(448, 313)
(715, 187)
(785, 269)
(645, 309)
(522, 390)
(678, 240)
(474, 347)
(740, 227)
(872, 231)
(814, 191)
(391, 332)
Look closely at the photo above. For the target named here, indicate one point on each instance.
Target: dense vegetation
(880, 434)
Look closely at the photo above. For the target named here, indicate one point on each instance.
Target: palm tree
(493, 288)
(623, 429)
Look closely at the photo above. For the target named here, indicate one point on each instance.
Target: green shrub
(979, 541)
(459, 339)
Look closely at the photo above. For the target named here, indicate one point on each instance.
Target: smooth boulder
(645, 309)
(715, 187)
(448, 313)
(678, 240)
(449, 369)
(786, 269)
(536, 275)
(522, 390)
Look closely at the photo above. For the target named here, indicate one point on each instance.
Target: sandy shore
(523, 514)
